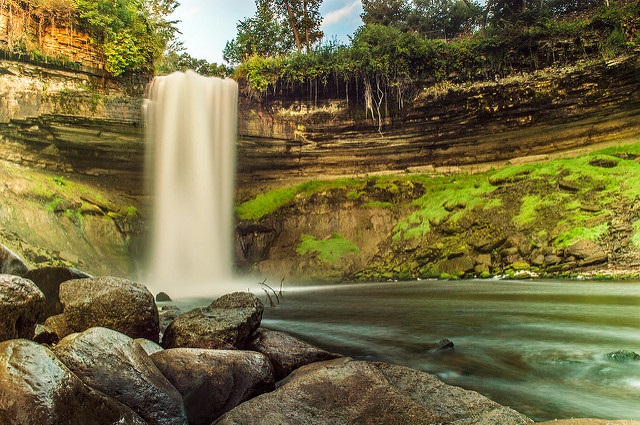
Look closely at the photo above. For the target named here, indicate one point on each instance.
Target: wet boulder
(38, 389)
(149, 347)
(227, 322)
(48, 279)
(346, 391)
(213, 382)
(58, 326)
(110, 302)
(112, 363)
(21, 305)
(285, 352)
(11, 263)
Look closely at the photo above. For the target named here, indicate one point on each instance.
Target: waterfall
(191, 136)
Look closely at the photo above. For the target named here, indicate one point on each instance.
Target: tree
(311, 22)
(264, 34)
(429, 18)
(304, 18)
(131, 33)
(176, 58)
(276, 28)
(444, 18)
(386, 12)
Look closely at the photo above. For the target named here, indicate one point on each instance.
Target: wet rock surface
(110, 302)
(285, 352)
(38, 389)
(11, 263)
(623, 356)
(227, 322)
(213, 382)
(112, 363)
(343, 391)
(21, 306)
(48, 279)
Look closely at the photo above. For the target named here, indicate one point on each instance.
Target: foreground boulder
(227, 322)
(48, 279)
(285, 352)
(344, 391)
(213, 382)
(10, 263)
(110, 302)
(114, 364)
(37, 389)
(21, 305)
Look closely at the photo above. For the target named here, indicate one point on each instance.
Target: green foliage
(276, 28)
(330, 250)
(131, 211)
(265, 34)
(51, 206)
(131, 33)
(176, 59)
(402, 48)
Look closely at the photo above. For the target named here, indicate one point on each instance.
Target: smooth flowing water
(539, 347)
(192, 130)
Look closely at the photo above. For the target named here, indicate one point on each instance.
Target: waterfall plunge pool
(539, 346)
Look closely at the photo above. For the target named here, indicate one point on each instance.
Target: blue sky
(207, 25)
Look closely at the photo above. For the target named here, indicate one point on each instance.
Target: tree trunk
(293, 25)
(306, 26)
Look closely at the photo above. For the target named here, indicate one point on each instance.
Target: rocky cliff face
(72, 150)
(70, 125)
(28, 91)
(468, 225)
(446, 125)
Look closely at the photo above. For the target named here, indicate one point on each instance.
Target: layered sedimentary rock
(446, 125)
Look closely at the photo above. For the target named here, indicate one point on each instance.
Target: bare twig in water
(275, 294)
(281, 282)
(269, 297)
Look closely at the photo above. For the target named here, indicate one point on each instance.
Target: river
(539, 347)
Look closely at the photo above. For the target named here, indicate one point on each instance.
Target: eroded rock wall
(446, 125)
(28, 91)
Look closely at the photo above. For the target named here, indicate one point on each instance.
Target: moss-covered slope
(54, 219)
(564, 216)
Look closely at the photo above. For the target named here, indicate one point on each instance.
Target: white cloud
(338, 16)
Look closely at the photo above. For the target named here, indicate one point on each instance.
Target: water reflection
(539, 347)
